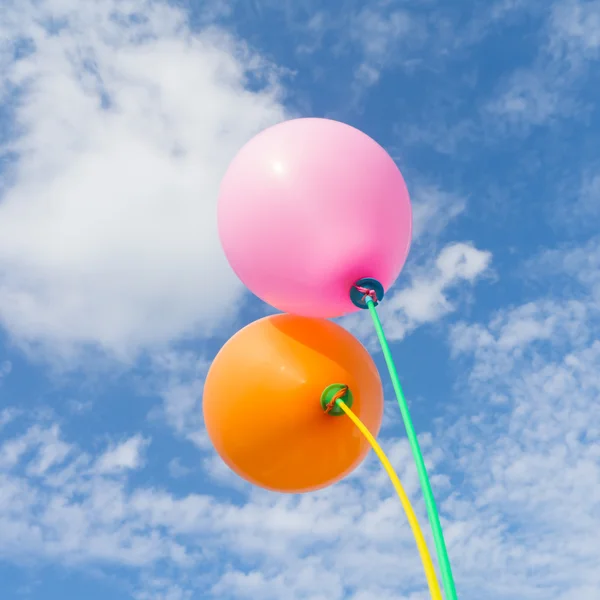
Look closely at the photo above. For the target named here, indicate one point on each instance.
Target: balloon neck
(365, 288)
(331, 394)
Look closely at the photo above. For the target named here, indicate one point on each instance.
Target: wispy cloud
(178, 470)
(78, 514)
(575, 31)
(178, 379)
(123, 456)
(433, 210)
(7, 415)
(529, 445)
(548, 88)
(5, 369)
(381, 34)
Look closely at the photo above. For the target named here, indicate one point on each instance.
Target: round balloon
(262, 404)
(307, 208)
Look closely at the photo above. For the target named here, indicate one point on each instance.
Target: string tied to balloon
(332, 394)
(339, 400)
(367, 292)
(343, 391)
(369, 302)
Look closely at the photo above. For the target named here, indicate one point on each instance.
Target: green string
(432, 512)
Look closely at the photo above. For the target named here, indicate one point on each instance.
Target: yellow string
(432, 582)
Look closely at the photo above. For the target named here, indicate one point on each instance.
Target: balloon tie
(337, 396)
(367, 293)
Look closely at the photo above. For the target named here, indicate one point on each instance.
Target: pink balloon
(307, 208)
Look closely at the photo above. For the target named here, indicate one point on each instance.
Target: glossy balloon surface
(307, 208)
(262, 410)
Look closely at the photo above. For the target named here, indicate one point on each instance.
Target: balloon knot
(365, 289)
(339, 394)
(367, 293)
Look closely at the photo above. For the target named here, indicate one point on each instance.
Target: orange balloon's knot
(367, 292)
(339, 394)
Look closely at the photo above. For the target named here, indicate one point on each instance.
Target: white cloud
(5, 369)
(590, 196)
(511, 336)
(177, 470)
(79, 406)
(576, 208)
(178, 379)
(122, 457)
(382, 33)
(527, 441)
(547, 89)
(530, 96)
(46, 445)
(380, 36)
(127, 122)
(577, 267)
(79, 514)
(575, 30)
(7, 415)
(433, 210)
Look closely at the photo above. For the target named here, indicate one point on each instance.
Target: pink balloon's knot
(367, 292)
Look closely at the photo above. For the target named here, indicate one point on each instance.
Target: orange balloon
(262, 403)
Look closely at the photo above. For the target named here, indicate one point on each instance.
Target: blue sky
(117, 122)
